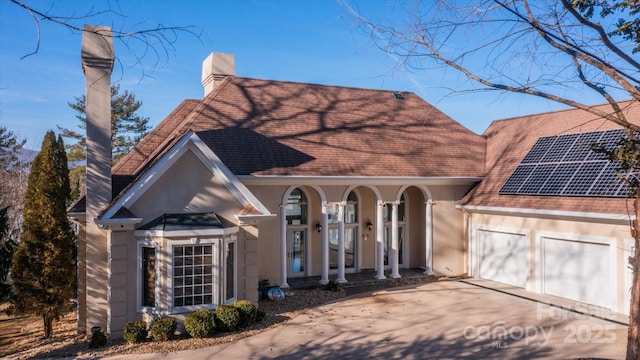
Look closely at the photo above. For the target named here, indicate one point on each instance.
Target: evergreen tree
(42, 269)
(127, 127)
(7, 248)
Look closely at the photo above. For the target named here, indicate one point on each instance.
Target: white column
(283, 246)
(429, 240)
(395, 271)
(380, 241)
(324, 278)
(341, 277)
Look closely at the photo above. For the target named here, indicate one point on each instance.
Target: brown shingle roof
(262, 127)
(509, 140)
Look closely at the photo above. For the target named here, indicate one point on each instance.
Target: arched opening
(402, 233)
(351, 233)
(297, 217)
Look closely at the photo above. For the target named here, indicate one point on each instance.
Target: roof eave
(362, 180)
(566, 214)
(119, 224)
(187, 233)
(253, 219)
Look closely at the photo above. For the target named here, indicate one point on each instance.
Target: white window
(193, 280)
(201, 273)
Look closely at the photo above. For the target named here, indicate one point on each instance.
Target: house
(273, 180)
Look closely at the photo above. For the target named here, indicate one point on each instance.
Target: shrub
(135, 331)
(332, 286)
(260, 315)
(98, 339)
(248, 312)
(199, 323)
(163, 329)
(227, 317)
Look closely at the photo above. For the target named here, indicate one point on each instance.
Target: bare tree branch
(156, 42)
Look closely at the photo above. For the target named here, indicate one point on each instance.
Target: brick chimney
(97, 64)
(215, 68)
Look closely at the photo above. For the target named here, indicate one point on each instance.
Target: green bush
(260, 315)
(199, 323)
(227, 317)
(98, 339)
(248, 312)
(163, 329)
(135, 331)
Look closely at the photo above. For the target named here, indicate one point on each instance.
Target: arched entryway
(358, 229)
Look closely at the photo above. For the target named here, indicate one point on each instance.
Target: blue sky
(304, 41)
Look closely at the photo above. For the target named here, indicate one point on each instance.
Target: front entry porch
(366, 277)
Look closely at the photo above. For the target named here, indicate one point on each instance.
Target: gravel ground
(27, 343)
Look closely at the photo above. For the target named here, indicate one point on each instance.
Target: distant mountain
(27, 155)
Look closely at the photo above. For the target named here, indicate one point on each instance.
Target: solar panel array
(567, 165)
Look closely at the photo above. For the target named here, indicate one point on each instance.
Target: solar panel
(567, 165)
(539, 149)
(609, 183)
(519, 176)
(582, 147)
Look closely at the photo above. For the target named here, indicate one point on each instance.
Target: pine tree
(42, 270)
(127, 127)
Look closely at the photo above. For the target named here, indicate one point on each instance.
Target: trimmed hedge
(227, 317)
(248, 312)
(135, 331)
(163, 329)
(199, 324)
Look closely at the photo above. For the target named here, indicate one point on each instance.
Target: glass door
(350, 248)
(387, 246)
(296, 252)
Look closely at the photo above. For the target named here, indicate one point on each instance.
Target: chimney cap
(97, 47)
(215, 68)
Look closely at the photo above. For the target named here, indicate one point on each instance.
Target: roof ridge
(558, 111)
(149, 137)
(324, 85)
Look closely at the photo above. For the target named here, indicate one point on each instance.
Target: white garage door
(577, 270)
(503, 257)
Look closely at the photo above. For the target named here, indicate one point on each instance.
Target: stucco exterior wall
(449, 243)
(122, 295)
(187, 187)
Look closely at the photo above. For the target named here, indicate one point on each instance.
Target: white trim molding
(546, 213)
(358, 180)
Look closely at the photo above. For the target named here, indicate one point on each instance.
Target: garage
(503, 257)
(577, 270)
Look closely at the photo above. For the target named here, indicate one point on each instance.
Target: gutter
(546, 213)
(360, 180)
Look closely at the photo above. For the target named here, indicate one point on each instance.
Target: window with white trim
(230, 270)
(201, 273)
(148, 276)
(193, 279)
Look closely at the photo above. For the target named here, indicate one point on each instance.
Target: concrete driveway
(442, 320)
